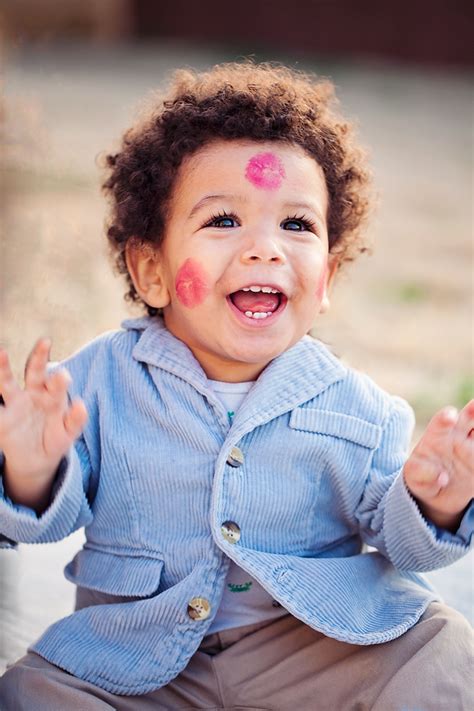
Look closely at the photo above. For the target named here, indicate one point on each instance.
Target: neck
(227, 371)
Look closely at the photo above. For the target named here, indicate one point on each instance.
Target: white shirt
(244, 601)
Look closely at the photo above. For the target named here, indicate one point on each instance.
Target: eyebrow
(209, 198)
(307, 206)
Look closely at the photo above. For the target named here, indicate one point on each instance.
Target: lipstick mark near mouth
(265, 171)
(191, 283)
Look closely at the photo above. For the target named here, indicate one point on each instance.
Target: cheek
(191, 284)
(265, 171)
(321, 287)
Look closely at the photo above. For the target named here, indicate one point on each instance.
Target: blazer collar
(294, 377)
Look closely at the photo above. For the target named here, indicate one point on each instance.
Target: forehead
(264, 168)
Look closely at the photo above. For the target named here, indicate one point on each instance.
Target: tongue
(251, 301)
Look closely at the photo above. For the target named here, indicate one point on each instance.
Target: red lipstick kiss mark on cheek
(191, 284)
(265, 171)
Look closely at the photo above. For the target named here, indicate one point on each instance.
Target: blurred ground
(403, 315)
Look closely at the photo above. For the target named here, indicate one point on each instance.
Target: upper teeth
(265, 289)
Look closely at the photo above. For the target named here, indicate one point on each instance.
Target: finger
(9, 387)
(443, 420)
(35, 368)
(57, 385)
(431, 489)
(463, 448)
(75, 418)
(426, 492)
(425, 479)
(465, 423)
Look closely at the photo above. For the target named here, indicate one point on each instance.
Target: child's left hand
(440, 471)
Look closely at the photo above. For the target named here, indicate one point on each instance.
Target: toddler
(253, 524)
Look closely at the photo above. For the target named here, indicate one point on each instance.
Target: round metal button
(230, 531)
(199, 608)
(235, 458)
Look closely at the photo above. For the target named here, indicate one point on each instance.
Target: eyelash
(220, 216)
(308, 225)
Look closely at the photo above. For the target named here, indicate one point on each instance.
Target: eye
(298, 224)
(223, 219)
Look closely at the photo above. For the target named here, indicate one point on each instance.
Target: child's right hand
(37, 426)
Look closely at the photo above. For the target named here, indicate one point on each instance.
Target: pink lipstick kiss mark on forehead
(265, 171)
(191, 283)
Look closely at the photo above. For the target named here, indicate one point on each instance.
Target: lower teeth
(258, 314)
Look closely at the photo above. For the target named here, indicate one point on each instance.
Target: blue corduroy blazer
(151, 480)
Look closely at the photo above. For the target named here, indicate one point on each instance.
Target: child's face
(243, 214)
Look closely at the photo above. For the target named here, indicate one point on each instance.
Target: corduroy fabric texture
(323, 450)
(281, 666)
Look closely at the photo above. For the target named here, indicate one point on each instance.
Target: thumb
(425, 482)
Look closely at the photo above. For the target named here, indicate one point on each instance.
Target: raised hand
(440, 471)
(37, 426)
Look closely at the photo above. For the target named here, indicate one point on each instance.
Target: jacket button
(230, 531)
(199, 608)
(235, 458)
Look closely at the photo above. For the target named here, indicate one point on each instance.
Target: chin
(256, 356)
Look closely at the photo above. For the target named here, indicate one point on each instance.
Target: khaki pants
(282, 666)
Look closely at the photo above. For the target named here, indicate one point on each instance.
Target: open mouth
(258, 303)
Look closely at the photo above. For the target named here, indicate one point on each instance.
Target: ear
(145, 267)
(333, 265)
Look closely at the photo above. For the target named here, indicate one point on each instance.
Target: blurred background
(72, 77)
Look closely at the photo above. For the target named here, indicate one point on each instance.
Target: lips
(259, 302)
(256, 303)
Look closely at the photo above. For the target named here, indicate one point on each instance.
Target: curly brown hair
(261, 102)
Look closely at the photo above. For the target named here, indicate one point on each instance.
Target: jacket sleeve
(388, 515)
(68, 510)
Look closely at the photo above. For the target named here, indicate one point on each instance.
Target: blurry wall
(420, 30)
(429, 31)
(45, 20)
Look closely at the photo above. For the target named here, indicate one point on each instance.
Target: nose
(264, 248)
